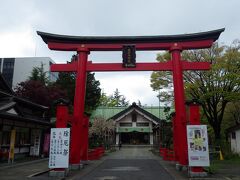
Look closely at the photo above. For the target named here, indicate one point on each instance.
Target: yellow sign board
(12, 144)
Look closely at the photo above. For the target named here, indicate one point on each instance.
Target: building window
(6, 137)
(233, 135)
(53, 76)
(22, 136)
(6, 134)
(142, 124)
(7, 70)
(125, 124)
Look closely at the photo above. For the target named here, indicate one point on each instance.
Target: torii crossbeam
(83, 45)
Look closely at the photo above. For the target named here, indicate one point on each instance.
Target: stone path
(133, 163)
(132, 153)
(129, 164)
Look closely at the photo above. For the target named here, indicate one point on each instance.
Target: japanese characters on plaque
(59, 148)
(197, 138)
(129, 56)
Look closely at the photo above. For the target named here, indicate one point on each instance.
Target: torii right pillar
(179, 99)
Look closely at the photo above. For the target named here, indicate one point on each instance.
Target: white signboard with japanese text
(59, 148)
(198, 153)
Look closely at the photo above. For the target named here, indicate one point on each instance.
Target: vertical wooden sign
(129, 56)
(12, 145)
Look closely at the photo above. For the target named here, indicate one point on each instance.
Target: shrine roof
(154, 112)
(136, 107)
(48, 37)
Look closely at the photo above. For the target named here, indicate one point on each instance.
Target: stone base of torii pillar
(58, 173)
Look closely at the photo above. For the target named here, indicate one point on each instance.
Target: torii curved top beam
(113, 43)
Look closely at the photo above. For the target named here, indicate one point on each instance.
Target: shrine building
(134, 125)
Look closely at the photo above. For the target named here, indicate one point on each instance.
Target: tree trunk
(217, 132)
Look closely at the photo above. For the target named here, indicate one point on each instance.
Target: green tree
(93, 92)
(38, 74)
(214, 88)
(118, 100)
(231, 116)
(104, 100)
(233, 113)
(66, 81)
(115, 100)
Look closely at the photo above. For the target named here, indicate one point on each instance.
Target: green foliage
(227, 165)
(93, 93)
(40, 90)
(67, 80)
(233, 157)
(115, 100)
(167, 112)
(38, 74)
(104, 100)
(218, 86)
(214, 88)
(232, 115)
(165, 96)
(161, 79)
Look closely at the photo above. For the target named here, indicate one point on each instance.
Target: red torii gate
(83, 45)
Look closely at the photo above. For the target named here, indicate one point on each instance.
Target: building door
(135, 138)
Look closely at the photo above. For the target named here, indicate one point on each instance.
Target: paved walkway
(127, 164)
(23, 170)
(132, 153)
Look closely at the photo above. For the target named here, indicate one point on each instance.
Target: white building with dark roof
(135, 126)
(16, 70)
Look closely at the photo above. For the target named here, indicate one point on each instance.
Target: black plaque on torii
(129, 56)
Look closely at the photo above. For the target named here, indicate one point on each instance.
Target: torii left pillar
(176, 135)
(78, 111)
(84, 153)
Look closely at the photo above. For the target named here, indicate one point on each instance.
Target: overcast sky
(20, 19)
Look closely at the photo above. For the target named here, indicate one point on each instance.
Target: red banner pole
(62, 116)
(194, 119)
(61, 122)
